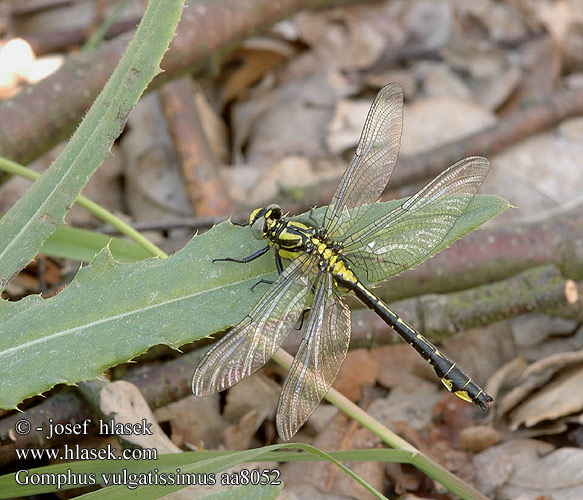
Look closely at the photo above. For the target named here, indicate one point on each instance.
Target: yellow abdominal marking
(463, 395)
(448, 384)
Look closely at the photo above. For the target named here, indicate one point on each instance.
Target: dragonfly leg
(238, 224)
(278, 265)
(245, 260)
(265, 282)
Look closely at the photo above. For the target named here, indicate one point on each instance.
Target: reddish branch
(199, 167)
(508, 130)
(44, 114)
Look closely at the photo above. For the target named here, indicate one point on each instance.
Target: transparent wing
(250, 344)
(407, 235)
(318, 360)
(376, 154)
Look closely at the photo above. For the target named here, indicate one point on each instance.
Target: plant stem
(102, 213)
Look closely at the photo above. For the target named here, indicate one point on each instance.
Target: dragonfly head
(262, 219)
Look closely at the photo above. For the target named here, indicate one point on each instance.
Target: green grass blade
(43, 207)
(83, 245)
(208, 462)
(114, 312)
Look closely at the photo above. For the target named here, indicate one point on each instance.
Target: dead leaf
(194, 421)
(291, 172)
(153, 180)
(346, 125)
(530, 469)
(497, 465)
(359, 368)
(350, 38)
(523, 177)
(257, 393)
(478, 438)
(440, 80)
(433, 121)
(123, 402)
(562, 396)
(258, 56)
(340, 434)
(240, 435)
(428, 23)
(535, 376)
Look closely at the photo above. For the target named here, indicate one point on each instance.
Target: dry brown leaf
(400, 366)
(351, 38)
(433, 121)
(562, 396)
(440, 80)
(240, 435)
(496, 465)
(564, 21)
(539, 336)
(522, 175)
(428, 24)
(258, 56)
(413, 405)
(358, 368)
(196, 421)
(530, 469)
(291, 172)
(536, 375)
(123, 402)
(346, 125)
(257, 393)
(153, 180)
(289, 120)
(340, 434)
(478, 438)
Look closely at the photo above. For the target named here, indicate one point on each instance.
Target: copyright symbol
(22, 427)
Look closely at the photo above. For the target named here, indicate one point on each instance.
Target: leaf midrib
(58, 334)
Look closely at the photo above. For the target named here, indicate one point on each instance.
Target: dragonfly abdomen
(453, 377)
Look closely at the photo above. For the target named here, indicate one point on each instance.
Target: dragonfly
(327, 259)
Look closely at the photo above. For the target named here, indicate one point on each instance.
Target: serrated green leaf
(43, 207)
(83, 245)
(113, 312)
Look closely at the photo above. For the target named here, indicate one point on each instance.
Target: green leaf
(113, 312)
(208, 462)
(83, 245)
(43, 207)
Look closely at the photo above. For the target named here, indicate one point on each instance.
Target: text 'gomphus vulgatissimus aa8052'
(327, 258)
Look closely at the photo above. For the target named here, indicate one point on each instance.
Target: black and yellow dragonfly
(326, 260)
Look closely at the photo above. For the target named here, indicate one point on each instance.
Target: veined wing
(374, 160)
(250, 344)
(407, 235)
(318, 360)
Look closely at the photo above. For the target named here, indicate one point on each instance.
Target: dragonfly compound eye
(258, 228)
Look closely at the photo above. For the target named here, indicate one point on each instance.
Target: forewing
(376, 154)
(250, 344)
(409, 234)
(318, 360)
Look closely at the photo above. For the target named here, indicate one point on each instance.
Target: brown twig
(507, 131)
(489, 255)
(199, 167)
(41, 116)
